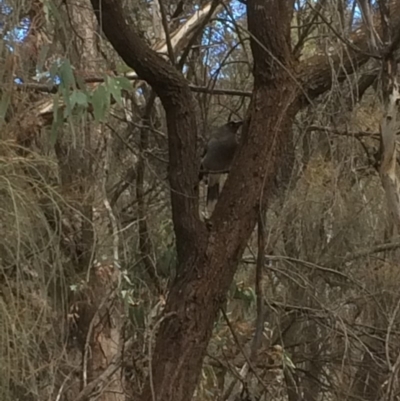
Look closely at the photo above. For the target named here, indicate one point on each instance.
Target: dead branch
(316, 72)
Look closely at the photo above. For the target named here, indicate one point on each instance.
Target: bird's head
(234, 125)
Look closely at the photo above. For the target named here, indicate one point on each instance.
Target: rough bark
(178, 103)
(102, 321)
(208, 256)
(389, 128)
(390, 124)
(183, 35)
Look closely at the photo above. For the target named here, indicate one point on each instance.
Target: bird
(218, 155)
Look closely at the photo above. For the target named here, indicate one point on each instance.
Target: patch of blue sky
(17, 35)
(349, 4)
(214, 37)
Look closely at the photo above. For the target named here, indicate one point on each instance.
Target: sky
(214, 35)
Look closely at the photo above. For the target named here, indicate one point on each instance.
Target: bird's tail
(213, 189)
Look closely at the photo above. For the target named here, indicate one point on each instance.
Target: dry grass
(32, 278)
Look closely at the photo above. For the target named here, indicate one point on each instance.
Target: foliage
(83, 186)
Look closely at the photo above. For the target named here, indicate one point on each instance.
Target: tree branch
(316, 72)
(45, 88)
(178, 103)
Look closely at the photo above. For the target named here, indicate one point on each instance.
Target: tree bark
(101, 321)
(390, 182)
(208, 255)
(178, 103)
(390, 125)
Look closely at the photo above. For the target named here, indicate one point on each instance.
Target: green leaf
(287, 362)
(81, 84)
(67, 75)
(107, 99)
(247, 295)
(124, 83)
(55, 106)
(114, 89)
(68, 107)
(79, 98)
(100, 100)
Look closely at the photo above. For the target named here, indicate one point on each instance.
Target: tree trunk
(101, 322)
(208, 260)
(208, 255)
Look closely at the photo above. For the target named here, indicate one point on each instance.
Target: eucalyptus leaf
(79, 98)
(67, 100)
(114, 89)
(67, 75)
(124, 83)
(99, 102)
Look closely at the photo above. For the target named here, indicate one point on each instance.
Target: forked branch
(178, 103)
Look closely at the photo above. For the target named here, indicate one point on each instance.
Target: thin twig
(242, 351)
(167, 33)
(309, 26)
(145, 247)
(200, 29)
(259, 287)
(357, 134)
(45, 88)
(107, 205)
(88, 338)
(341, 37)
(103, 378)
